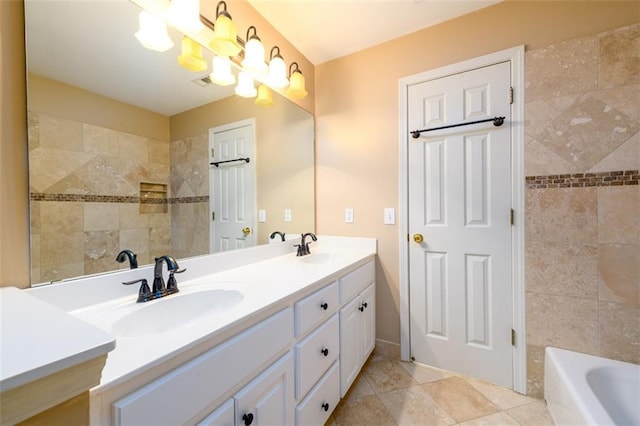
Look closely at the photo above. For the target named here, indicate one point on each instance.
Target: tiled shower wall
(85, 202)
(583, 199)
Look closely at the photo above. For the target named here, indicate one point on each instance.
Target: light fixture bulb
(221, 73)
(264, 98)
(245, 87)
(296, 88)
(254, 54)
(224, 40)
(191, 57)
(185, 15)
(153, 33)
(277, 75)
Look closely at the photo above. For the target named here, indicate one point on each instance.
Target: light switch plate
(348, 215)
(389, 216)
(287, 215)
(262, 215)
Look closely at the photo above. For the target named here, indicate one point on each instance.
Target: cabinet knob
(325, 406)
(324, 306)
(365, 304)
(361, 308)
(324, 351)
(248, 419)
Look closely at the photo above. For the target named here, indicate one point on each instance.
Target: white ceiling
(323, 30)
(90, 43)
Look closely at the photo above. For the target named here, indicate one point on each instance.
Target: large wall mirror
(119, 145)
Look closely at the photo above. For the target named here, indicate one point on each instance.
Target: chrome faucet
(273, 235)
(303, 247)
(159, 290)
(128, 254)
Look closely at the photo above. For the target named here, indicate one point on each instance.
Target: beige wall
(357, 114)
(14, 201)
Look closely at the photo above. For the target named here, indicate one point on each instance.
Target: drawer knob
(324, 306)
(361, 308)
(324, 352)
(365, 304)
(325, 406)
(248, 419)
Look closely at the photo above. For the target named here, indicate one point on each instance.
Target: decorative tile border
(581, 180)
(88, 198)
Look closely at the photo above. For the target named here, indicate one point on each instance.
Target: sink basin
(175, 311)
(318, 258)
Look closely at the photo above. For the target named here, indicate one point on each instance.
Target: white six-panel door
(459, 181)
(232, 189)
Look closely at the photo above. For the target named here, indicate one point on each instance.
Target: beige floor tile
(366, 411)
(330, 421)
(414, 406)
(461, 400)
(360, 387)
(502, 397)
(533, 414)
(387, 375)
(424, 374)
(497, 419)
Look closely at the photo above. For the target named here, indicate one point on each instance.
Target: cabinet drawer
(316, 408)
(311, 361)
(356, 281)
(190, 388)
(222, 416)
(314, 309)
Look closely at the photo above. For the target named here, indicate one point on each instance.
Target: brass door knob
(418, 238)
(246, 231)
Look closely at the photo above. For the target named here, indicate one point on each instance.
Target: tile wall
(583, 199)
(85, 202)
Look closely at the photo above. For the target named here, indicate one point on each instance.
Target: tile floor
(391, 392)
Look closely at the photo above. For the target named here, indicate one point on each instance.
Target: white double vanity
(254, 337)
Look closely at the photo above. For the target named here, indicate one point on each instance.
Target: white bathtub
(583, 389)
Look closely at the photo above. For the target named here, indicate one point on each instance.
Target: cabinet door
(368, 321)
(350, 344)
(222, 416)
(268, 399)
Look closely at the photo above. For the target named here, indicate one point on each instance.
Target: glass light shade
(221, 74)
(185, 15)
(296, 88)
(224, 40)
(191, 57)
(264, 98)
(245, 87)
(153, 33)
(277, 76)
(254, 56)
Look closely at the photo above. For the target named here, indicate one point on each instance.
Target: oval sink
(175, 311)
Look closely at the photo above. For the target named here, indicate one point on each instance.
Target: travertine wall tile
(136, 240)
(101, 217)
(619, 51)
(564, 322)
(61, 218)
(49, 166)
(625, 157)
(620, 331)
(562, 269)
(535, 370)
(131, 218)
(57, 250)
(619, 267)
(57, 132)
(100, 140)
(618, 218)
(33, 128)
(562, 69)
(101, 248)
(159, 152)
(623, 98)
(541, 161)
(133, 146)
(562, 215)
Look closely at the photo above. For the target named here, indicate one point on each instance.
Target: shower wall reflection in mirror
(119, 145)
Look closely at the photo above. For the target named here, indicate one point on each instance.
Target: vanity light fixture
(221, 73)
(191, 57)
(245, 87)
(185, 14)
(296, 88)
(224, 40)
(264, 98)
(277, 75)
(254, 53)
(153, 33)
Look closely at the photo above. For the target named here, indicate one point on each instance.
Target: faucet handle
(144, 293)
(172, 284)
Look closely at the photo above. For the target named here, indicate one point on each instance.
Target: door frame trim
(515, 56)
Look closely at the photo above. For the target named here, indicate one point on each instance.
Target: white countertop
(39, 339)
(267, 284)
